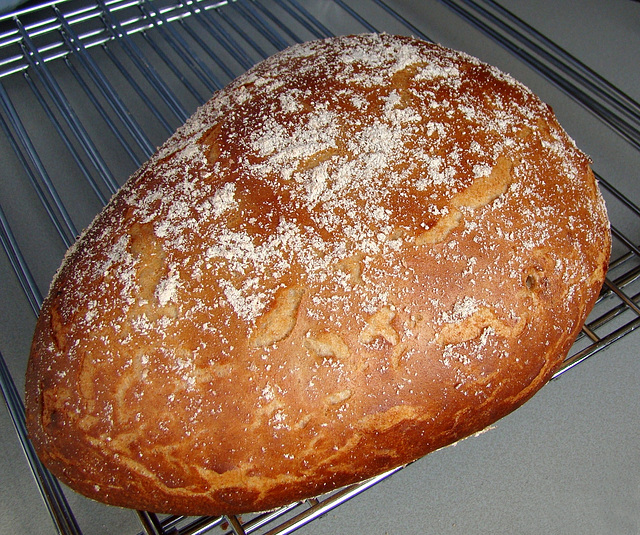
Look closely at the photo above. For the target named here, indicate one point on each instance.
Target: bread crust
(364, 249)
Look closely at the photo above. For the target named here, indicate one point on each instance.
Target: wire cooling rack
(88, 89)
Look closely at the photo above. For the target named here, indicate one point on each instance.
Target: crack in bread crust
(474, 325)
(481, 192)
(280, 320)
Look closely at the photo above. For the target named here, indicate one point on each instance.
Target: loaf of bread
(363, 249)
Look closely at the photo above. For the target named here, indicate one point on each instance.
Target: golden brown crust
(364, 249)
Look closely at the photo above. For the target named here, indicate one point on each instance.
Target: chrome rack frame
(64, 58)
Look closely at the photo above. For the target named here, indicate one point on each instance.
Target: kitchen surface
(567, 462)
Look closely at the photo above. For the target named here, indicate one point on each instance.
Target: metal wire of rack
(64, 70)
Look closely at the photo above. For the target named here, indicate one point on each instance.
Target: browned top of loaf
(363, 249)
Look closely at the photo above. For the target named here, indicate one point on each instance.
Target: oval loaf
(363, 249)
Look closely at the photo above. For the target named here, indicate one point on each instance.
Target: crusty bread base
(364, 249)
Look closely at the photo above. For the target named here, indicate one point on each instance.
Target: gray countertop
(568, 461)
